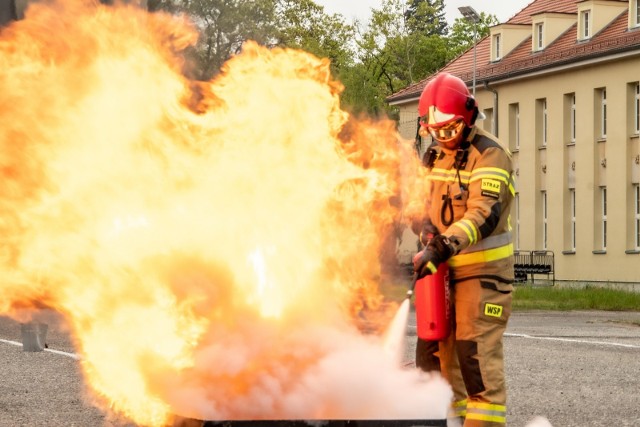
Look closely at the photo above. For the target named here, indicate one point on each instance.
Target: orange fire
(210, 244)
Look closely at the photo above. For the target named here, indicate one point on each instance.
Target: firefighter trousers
(471, 358)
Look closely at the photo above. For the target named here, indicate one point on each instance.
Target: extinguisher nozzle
(413, 285)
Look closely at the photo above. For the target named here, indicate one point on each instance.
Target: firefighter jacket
(471, 192)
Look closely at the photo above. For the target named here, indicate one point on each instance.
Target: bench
(528, 264)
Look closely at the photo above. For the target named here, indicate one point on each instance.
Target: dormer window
(637, 12)
(506, 37)
(539, 36)
(585, 20)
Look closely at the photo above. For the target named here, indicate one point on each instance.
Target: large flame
(211, 245)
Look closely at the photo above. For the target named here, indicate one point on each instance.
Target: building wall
(586, 165)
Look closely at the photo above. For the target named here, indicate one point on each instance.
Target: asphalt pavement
(575, 369)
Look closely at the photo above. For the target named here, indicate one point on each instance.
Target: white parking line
(612, 344)
(62, 353)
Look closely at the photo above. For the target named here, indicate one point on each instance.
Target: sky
(361, 9)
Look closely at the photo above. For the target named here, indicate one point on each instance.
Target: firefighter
(466, 224)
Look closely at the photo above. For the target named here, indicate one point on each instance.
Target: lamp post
(470, 15)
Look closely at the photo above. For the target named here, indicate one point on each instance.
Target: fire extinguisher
(433, 311)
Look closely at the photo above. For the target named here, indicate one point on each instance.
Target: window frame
(636, 112)
(544, 122)
(497, 39)
(603, 211)
(603, 113)
(516, 201)
(573, 119)
(517, 119)
(572, 202)
(545, 219)
(514, 126)
(636, 201)
(585, 19)
(539, 40)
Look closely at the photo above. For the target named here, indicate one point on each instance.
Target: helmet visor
(447, 132)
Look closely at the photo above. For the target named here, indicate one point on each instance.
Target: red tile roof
(542, 6)
(566, 49)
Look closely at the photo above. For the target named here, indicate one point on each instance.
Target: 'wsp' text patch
(493, 310)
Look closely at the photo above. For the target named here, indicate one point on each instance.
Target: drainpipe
(495, 107)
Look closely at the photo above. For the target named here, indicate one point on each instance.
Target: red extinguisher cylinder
(433, 312)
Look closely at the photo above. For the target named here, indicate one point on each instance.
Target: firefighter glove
(437, 251)
(429, 231)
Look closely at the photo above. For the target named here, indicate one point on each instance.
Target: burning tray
(316, 423)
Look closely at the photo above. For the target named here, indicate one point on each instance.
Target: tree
(463, 31)
(391, 57)
(426, 17)
(403, 42)
(303, 24)
(375, 68)
(224, 25)
(362, 91)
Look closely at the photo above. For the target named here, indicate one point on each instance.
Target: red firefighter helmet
(445, 107)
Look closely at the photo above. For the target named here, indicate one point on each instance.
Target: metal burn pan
(315, 423)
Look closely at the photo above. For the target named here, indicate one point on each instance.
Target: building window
(586, 27)
(517, 230)
(636, 112)
(603, 207)
(514, 127)
(496, 43)
(637, 14)
(636, 196)
(603, 113)
(517, 126)
(573, 118)
(539, 36)
(544, 123)
(544, 220)
(488, 123)
(541, 124)
(572, 201)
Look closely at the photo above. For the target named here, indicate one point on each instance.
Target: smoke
(310, 374)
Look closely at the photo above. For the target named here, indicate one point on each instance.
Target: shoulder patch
(490, 188)
(491, 185)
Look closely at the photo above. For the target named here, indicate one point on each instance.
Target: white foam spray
(394, 338)
(539, 422)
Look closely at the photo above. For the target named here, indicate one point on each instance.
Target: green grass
(528, 297)
(563, 299)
